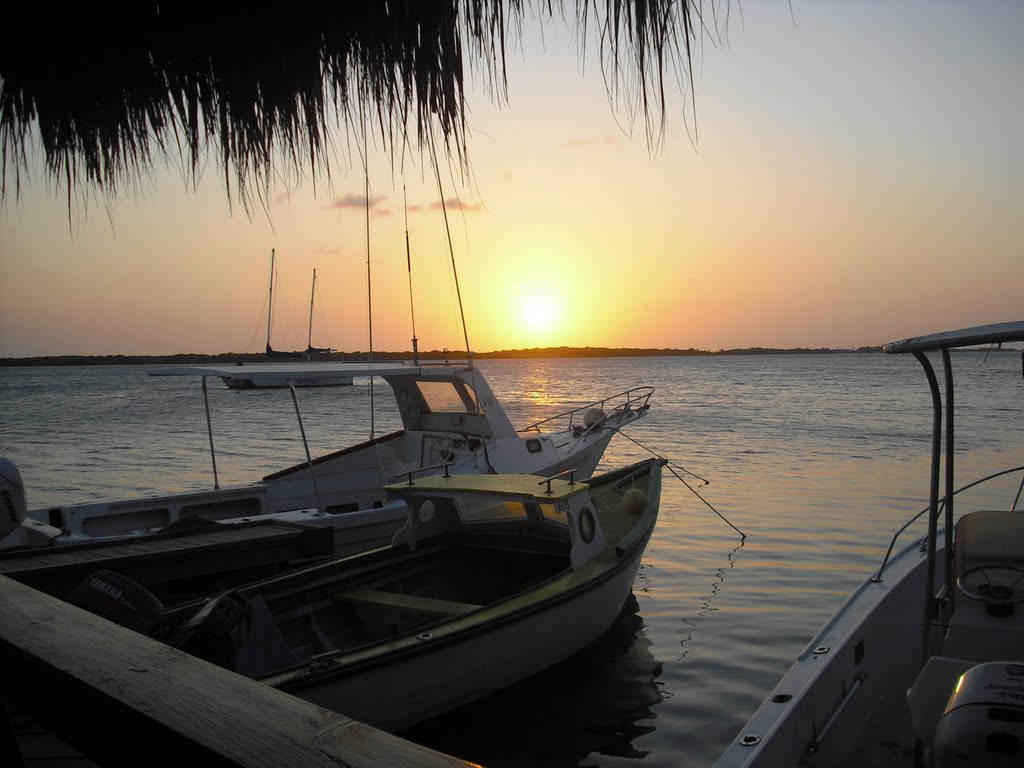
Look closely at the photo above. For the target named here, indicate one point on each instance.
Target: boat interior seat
(988, 537)
(430, 606)
(928, 696)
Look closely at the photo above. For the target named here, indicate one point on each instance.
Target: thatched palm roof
(109, 89)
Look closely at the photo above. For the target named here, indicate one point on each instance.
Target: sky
(837, 174)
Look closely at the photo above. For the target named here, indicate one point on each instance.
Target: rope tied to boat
(672, 467)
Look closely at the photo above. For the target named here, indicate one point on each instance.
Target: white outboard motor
(13, 505)
(984, 720)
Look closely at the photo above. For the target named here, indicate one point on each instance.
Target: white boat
(924, 663)
(452, 422)
(493, 579)
(301, 373)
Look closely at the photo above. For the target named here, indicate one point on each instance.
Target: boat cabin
(553, 509)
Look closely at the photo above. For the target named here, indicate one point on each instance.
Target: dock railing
(124, 699)
(613, 409)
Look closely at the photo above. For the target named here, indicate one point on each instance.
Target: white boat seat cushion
(988, 537)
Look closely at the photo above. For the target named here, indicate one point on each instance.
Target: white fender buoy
(634, 501)
(593, 416)
(13, 505)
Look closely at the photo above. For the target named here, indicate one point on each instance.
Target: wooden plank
(124, 699)
(429, 605)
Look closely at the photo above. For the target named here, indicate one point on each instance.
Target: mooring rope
(672, 467)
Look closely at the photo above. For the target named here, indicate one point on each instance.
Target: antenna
(408, 262)
(444, 210)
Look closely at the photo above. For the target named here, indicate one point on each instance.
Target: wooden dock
(206, 559)
(123, 699)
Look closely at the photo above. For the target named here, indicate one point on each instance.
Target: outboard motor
(120, 600)
(13, 504)
(217, 631)
(984, 720)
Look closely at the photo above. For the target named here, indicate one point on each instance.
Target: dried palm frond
(108, 89)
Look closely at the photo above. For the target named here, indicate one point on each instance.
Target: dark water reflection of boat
(597, 703)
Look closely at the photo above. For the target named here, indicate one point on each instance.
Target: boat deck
(160, 561)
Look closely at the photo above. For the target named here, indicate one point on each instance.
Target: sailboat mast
(408, 262)
(270, 301)
(309, 338)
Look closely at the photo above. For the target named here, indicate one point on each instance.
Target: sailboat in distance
(282, 372)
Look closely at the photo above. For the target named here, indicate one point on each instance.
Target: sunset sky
(842, 174)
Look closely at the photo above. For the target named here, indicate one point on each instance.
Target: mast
(309, 337)
(408, 262)
(369, 293)
(270, 301)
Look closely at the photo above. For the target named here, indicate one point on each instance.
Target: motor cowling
(983, 723)
(120, 600)
(13, 503)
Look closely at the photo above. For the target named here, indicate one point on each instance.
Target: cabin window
(553, 515)
(480, 509)
(445, 397)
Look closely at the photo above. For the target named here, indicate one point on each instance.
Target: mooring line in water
(672, 468)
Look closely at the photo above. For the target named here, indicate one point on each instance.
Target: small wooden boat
(924, 663)
(492, 579)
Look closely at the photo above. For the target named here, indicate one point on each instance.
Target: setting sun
(538, 313)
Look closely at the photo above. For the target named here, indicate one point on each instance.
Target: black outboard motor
(216, 632)
(122, 601)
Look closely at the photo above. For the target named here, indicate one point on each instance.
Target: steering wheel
(1003, 590)
(441, 451)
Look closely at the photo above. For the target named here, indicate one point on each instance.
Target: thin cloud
(355, 202)
(454, 204)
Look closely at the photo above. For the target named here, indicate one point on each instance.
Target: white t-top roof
(997, 333)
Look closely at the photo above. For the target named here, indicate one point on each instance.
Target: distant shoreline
(507, 354)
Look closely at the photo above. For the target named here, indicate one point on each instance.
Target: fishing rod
(451, 251)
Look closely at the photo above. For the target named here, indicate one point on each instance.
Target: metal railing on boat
(940, 508)
(635, 399)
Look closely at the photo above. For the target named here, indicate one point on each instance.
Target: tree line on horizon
(433, 355)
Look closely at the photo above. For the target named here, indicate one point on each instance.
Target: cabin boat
(924, 663)
(492, 579)
(451, 421)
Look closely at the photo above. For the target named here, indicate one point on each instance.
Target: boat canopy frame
(943, 415)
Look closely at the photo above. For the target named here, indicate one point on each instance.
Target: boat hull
(448, 672)
(827, 709)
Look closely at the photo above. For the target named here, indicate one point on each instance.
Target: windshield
(446, 397)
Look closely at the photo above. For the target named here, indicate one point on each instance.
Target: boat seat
(429, 605)
(929, 695)
(988, 537)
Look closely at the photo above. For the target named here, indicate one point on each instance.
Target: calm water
(816, 458)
